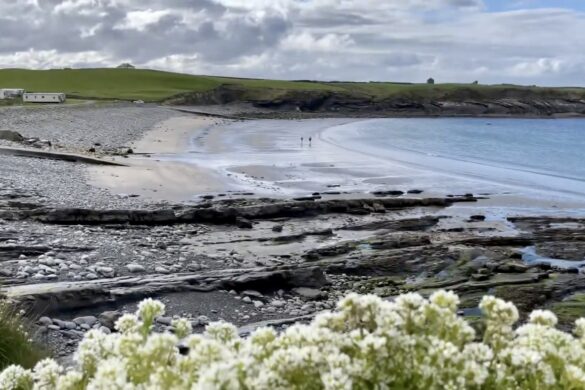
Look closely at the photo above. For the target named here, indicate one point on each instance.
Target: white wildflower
(182, 327)
(543, 317)
(46, 374)
(127, 323)
(15, 378)
(149, 309)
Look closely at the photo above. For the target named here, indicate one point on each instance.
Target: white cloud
(402, 40)
(139, 20)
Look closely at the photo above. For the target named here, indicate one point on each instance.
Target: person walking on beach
(310, 139)
(301, 141)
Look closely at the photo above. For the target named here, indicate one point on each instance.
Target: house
(10, 93)
(44, 97)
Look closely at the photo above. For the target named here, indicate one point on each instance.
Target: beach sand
(150, 176)
(193, 156)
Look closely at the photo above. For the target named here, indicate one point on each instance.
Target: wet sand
(192, 156)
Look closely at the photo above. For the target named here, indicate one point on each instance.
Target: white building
(9, 93)
(44, 97)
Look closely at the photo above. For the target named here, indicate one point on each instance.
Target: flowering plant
(367, 343)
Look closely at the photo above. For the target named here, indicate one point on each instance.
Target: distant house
(126, 65)
(10, 93)
(44, 97)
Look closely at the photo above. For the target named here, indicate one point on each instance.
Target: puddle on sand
(529, 256)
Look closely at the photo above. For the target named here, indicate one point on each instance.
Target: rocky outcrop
(511, 101)
(221, 214)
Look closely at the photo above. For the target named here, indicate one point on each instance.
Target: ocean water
(540, 154)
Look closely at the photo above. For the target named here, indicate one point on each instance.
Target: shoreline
(71, 249)
(218, 158)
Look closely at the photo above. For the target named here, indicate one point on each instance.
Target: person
(310, 139)
(301, 141)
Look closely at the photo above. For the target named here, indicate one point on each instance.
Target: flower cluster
(367, 343)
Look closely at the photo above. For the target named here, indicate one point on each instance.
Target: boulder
(109, 318)
(309, 294)
(9, 135)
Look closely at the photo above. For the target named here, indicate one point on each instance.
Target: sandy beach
(187, 157)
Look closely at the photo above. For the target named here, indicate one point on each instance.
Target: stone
(109, 318)
(105, 330)
(247, 299)
(278, 303)
(277, 228)
(135, 268)
(244, 223)
(87, 320)
(9, 135)
(45, 321)
(164, 320)
(309, 293)
(253, 294)
(108, 272)
(161, 270)
(203, 320)
(258, 304)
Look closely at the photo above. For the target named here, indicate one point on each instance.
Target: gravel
(111, 125)
(64, 184)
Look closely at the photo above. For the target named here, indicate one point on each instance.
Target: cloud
(406, 40)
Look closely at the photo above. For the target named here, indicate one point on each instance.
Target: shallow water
(527, 153)
(511, 159)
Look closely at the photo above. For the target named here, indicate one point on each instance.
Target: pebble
(135, 268)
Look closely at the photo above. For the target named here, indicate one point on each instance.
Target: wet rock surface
(291, 260)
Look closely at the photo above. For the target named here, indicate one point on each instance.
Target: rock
(135, 268)
(161, 270)
(9, 135)
(244, 223)
(278, 303)
(53, 327)
(477, 218)
(87, 320)
(45, 321)
(253, 294)
(258, 304)
(108, 272)
(511, 267)
(69, 325)
(105, 330)
(247, 299)
(415, 191)
(109, 318)
(164, 320)
(309, 293)
(203, 320)
(388, 193)
(277, 228)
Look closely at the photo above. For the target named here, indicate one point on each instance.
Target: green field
(157, 86)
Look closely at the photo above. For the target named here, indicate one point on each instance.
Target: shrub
(367, 343)
(16, 346)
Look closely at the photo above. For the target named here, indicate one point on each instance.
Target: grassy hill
(157, 86)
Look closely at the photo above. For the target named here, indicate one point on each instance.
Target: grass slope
(156, 86)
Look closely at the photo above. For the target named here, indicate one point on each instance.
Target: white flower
(182, 327)
(46, 373)
(149, 309)
(128, 323)
(543, 317)
(445, 299)
(15, 378)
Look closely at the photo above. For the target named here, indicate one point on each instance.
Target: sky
(492, 41)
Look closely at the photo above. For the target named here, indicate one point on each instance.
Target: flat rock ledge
(221, 214)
